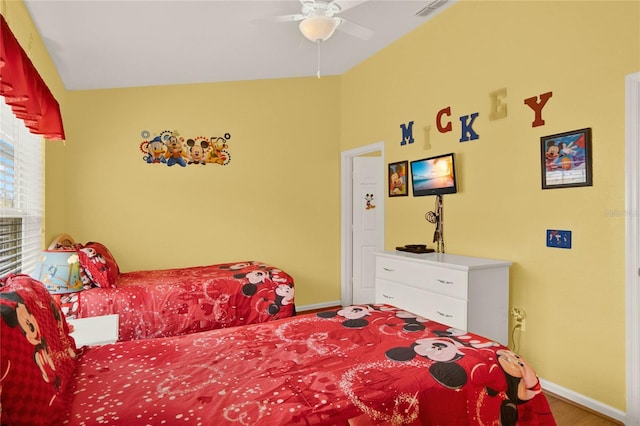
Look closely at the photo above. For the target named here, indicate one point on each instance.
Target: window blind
(21, 194)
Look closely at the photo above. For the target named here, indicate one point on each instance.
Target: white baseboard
(301, 309)
(584, 401)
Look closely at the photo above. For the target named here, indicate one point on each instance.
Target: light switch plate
(558, 239)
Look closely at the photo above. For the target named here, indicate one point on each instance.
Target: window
(21, 194)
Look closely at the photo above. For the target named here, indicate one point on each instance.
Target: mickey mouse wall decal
(197, 151)
(169, 148)
(369, 201)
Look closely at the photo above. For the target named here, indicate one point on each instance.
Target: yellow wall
(278, 200)
(580, 51)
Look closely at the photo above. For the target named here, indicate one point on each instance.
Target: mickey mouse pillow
(37, 355)
(99, 264)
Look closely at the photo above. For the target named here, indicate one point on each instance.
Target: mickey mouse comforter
(360, 365)
(171, 302)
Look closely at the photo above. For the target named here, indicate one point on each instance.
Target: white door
(368, 224)
(632, 222)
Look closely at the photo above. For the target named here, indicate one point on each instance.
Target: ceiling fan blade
(348, 4)
(283, 18)
(354, 29)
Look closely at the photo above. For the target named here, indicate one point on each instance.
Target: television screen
(434, 175)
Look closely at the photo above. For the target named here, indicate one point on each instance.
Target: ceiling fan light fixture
(318, 27)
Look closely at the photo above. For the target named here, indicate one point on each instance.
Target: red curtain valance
(25, 91)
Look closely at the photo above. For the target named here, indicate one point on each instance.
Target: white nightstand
(93, 331)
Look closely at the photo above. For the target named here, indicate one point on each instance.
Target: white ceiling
(97, 44)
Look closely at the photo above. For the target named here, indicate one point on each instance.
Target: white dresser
(468, 293)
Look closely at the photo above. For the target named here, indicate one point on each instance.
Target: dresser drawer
(393, 294)
(446, 281)
(447, 310)
(443, 309)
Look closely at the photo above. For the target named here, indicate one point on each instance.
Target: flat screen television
(434, 175)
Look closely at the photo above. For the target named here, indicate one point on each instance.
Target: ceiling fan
(318, 19)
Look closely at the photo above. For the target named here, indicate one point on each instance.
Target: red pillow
(99, 264)
(37, 355)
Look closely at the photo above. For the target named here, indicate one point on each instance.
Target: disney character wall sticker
(169, 148)
(369, 201)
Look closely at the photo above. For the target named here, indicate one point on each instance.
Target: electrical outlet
(519, 316)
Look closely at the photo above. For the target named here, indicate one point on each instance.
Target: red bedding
(173, 302)
(372, 364)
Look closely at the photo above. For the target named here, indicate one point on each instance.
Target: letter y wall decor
(169, 148)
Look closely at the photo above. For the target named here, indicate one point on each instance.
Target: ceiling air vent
(430, 8)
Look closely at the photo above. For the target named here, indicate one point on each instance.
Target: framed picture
(566, 159)
(398, 179)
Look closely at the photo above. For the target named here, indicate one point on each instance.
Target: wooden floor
(565, 412)
(568, 414)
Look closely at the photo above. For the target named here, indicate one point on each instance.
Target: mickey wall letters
(498, 111)
(407, 133)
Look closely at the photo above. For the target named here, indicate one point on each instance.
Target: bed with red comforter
(369, 364)
(172, 302)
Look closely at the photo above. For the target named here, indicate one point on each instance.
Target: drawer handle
(388, 269)
(444, 315)
(444, 281)
(387, 297)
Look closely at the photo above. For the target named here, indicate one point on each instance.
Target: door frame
(632, 232)
(346, 222)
